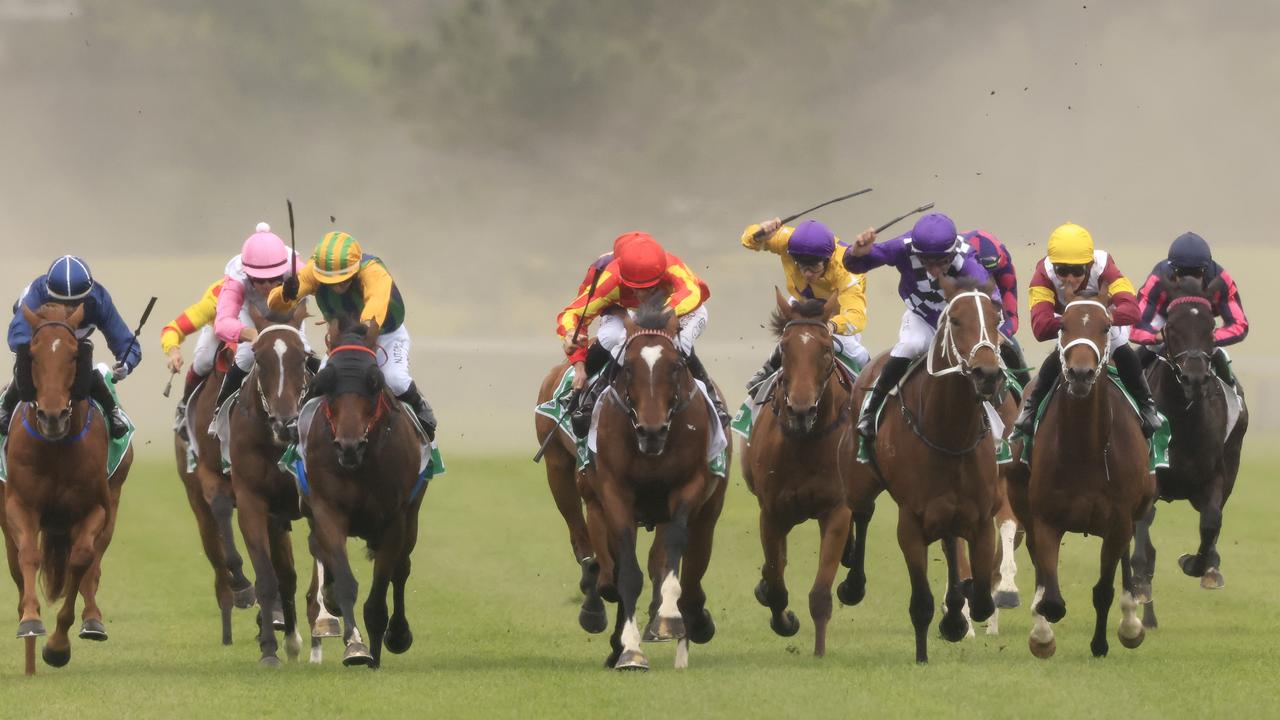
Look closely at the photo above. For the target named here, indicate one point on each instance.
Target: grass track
(493, 605)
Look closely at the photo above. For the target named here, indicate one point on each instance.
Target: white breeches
(1117, 336)
(205, 352)
(393, 360)
(914, 337)
(612, 332)
(851, 346)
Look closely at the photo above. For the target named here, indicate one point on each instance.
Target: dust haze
(487, 150)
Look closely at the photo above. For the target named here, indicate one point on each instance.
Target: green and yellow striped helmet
(337, 258)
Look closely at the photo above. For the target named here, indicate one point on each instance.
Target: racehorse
(936, 455)
(651, 468)
(1088, 474)
(798, 460)
(363, 469)
(209, 494)
(262, 423)
(1204, 450)
(59, 505)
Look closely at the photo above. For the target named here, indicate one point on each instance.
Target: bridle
(822, 390)
(677, 403)
(257, 376)
(1175, 361)
(380, 408)
(59, 325)
(1103, 354)
(959, 362)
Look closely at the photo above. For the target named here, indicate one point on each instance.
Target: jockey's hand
(862, 244)
(174, 361)
(570, 345)
(1160, 336)
(832, 327)
(579, 376)
(290, 288)
(769, 227)
(120, 371)
(248, 334)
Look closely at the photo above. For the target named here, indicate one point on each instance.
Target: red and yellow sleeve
(686, 289)
(307, 285)
(588, 308)
(377, 284)
(192, 319)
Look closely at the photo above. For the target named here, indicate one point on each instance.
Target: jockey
(1189, 256)
(1071, 266)
(640, 269)
(352, 286)
(994, 256)
(196, 317)
(589, 360)
(813, 262)
(260, 267)
(932, 249)
(69, 282)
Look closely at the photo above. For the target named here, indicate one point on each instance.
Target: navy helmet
(1190, 252)
(68, 279)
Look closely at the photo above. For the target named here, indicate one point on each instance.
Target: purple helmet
(934, 234)
(812, 239)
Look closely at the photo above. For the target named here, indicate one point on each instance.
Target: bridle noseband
(826, 379)
(677, 403)
(57, 324)
(257, 376)
(1175, 361)
(961, 363)
(380, 408)
(1103, 354)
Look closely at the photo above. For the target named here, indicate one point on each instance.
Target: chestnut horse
(1203, 458)
(59, 506)
(262, 424)
(1088, 474)
(209, 494)
(798, 462)
(936, 455)
(363, 469)
(651, 468)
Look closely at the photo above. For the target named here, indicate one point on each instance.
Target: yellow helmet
(1070, 244)
(337, 258)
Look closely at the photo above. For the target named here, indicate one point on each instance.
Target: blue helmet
(1190, 251)
(68, 279)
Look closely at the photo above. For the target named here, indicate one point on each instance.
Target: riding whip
(577, 331)
(761, 233)
(900, 218)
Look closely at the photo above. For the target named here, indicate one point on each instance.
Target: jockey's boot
(1222, 366)
(1146, 356)
(892, 372)
(188, 387)
(699, 372)
(8, 402)
(231, 382)
(1049, 369)
(580, 419)
(770, 367)
(1015, 361)
(1130, 369)
(313, 364)
(421, 408)
(117, 425)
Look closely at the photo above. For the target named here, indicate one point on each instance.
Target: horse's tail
(55, 551)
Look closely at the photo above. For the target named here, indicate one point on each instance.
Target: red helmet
(641, 261)
(626, 239)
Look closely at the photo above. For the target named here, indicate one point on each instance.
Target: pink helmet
(264, 255)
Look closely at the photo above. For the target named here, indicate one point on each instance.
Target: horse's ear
(832, 307)
(1104, 297)
(948, 285)
(259, 320)
(628, 323)
(76, 317)
(1216, 288)
(371, 331)
(299, 315)
(673, 323)
(784, 305)
(373, 379)
(324, 380)
(988, 286)
(31, 318)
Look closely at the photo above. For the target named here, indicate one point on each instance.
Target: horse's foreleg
(1144, 566)
(560, 466)
(1131, 631)
(84, 536)
(399, 637)
(854, 587)
(92, 627)
(331, 542)
(619, 513)
(772, 590)
(211, 543)
(257, 540)
(657, 631)
(1006, 595)
(24, 527)
(598, 573)
(915, 551)
(1114, 546)
(1205, 563)
(699, 626)
(287, 578)
(664, 573)
(834, 528)
(983, 550)
(1049, 602)
(386, 562)
(953, 626)
(243, 592)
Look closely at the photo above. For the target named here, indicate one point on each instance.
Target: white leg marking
(1041, 630)
(293, 644)
(355, 635)
(682, 654)
(1008, 565)
(1130, 625)
(324, 613)
(316, 653)
(670, 596)
(993, 625)
(281, 348)
(631, 636)
(964, 610)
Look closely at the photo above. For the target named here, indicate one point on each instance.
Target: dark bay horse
(1088, 474)
(1203, 457)
(935, 452)
(363, 468)
(799, 462)
(212, 501)
(651, 468)
(59, 507)
(262, 422)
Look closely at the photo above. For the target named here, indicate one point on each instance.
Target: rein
(257, 376)
(677, 404)
(58, 324)
(379, 410)
(1174, 361)
(959, 362)
(1103, 354)
(845, 411)
(33, 432)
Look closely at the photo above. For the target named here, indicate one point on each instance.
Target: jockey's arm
(196, 316)
(377, 284)
(19, 330)
(1124, 298)
(226, 324)
(307, 285)
(1235, 325)
(588, 308)
(123, 345)
(852, 318)
(1042, 300)
(1150, 300)
(775, 242)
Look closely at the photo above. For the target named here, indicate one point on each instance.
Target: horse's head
(54, 349)
(968, 336)
(280, 370)
(1188, 332)
(654, 382)
(808, 360)
(1082, 342)
(355, 394)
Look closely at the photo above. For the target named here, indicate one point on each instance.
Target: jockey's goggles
(1063, 270)
(1192, 271)
(936, 258)
(809, 262)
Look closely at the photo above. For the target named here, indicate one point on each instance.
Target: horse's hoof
(982, 608)
(632, 660)
(1142, 591)
(245, 597)
(270, 661)
(31, 628)
(953, 628)
(762, 592)
(277, 620)
(1099, 648)
(612, 660)
(356, 654)
(590, 570)
(326, 627)
(788, 625)
(56, 658)
(1044, 651)
(398, 638)
(1189, 564)
(1212, 579)
(93, 629)
(1133, 642)
(593, 620)
(666, 629)
(1007, 599)
(703, 629)
(851, 594)
(1051, 611)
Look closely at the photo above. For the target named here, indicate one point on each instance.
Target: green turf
(493, 604)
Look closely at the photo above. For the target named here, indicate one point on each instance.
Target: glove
(120, 371)
(290, 288)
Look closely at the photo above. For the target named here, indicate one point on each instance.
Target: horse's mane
(1086, 294)
(810, 308)
(1185, 287)
(966, 284)
(653, 314)
(55, 311)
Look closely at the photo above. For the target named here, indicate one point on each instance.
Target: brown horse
(798, 462)
(363, 468)
(936, 455)
(1088, 474)
(262, 425)
(209, 494)
(1204, 457)
(651, 468)
(58, 504)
